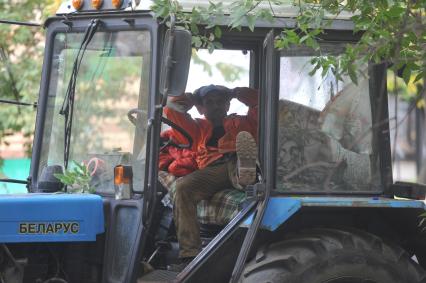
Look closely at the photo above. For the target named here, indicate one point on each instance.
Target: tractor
(324, 207)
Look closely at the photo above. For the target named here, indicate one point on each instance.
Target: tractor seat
(219, 210)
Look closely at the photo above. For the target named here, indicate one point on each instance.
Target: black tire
(326, 255)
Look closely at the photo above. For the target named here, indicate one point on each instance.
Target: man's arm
(176, 111)
(249, 97)
(246, 95)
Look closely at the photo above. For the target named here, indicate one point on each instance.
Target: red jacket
(201, 129)
(177, 161)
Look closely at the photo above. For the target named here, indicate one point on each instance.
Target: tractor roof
(285, 10)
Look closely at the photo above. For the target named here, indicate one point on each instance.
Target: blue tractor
(324, 208)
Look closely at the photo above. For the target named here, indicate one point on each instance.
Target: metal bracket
(256, 191)
(409, 190)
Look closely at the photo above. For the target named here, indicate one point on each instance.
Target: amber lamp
(116, 3)
(77, 4)
(97, 4)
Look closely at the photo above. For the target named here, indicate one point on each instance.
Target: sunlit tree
(21, 55)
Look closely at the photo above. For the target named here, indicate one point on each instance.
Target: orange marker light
(77, 4)
(120, 176)
(97, 4)
(116, 3)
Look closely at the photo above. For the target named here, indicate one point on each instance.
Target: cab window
(324, 130)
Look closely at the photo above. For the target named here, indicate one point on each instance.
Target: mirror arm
(20, 23)
(172, 22)
(169, 61)
(34, 104)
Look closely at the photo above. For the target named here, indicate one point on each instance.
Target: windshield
(112, 80)
(325, 129)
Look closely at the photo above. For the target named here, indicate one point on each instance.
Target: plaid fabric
(219, 210)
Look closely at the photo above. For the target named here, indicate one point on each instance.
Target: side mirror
(175, 62)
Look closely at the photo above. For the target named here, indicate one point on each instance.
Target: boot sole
(246, 158)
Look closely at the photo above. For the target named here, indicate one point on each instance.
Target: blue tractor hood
(50, 218)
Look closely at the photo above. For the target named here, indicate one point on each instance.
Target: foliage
(21, 50)
(201, 38)
(230, 72)
(78, 179)
(392, 31)
(409, 92)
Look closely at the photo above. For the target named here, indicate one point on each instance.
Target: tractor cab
(100, 210)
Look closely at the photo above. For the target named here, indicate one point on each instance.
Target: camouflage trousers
(191, 189)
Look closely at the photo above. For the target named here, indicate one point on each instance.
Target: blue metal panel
(361, 202)
(50, 217)
(277, 212)
(280, 209)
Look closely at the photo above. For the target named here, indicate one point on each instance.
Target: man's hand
(246, 95)
(181, 103)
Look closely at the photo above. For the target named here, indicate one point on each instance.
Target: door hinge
(256, 191)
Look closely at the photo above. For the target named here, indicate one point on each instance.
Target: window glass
(222, 67)
(113, 78)
(325, 140)
(225, 67)
(406, 129)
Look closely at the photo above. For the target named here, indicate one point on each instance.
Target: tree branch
(14, 89)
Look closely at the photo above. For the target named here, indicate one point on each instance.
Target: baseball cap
(204, 90)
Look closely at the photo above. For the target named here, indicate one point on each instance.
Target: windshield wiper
(67, 108)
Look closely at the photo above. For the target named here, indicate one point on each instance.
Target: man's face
(216, 105)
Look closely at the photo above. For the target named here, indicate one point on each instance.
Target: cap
(204, 90)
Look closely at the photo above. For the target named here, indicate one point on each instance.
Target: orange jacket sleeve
(176, 112)
(249, 97)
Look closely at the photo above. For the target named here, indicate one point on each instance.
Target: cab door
(267, 136)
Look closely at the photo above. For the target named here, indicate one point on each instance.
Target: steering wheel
(133, 119)
(169, 142)
(163, 142)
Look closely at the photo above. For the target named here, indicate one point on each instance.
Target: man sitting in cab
(225, 153)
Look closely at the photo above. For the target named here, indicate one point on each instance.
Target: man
(220, 142)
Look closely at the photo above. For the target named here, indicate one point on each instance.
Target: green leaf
(194, 28)
(352, 75)
(280, 43)
(196, 41)
(210, 48)
(304, 38)
(395, 11)
(251, 20)
(217, 44)
(406, 73)
(315, 69)
(218, 32)
(310, 42)
(421, 75)
(292, 36)
(266, 15)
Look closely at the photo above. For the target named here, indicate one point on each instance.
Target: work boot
(246, 158)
